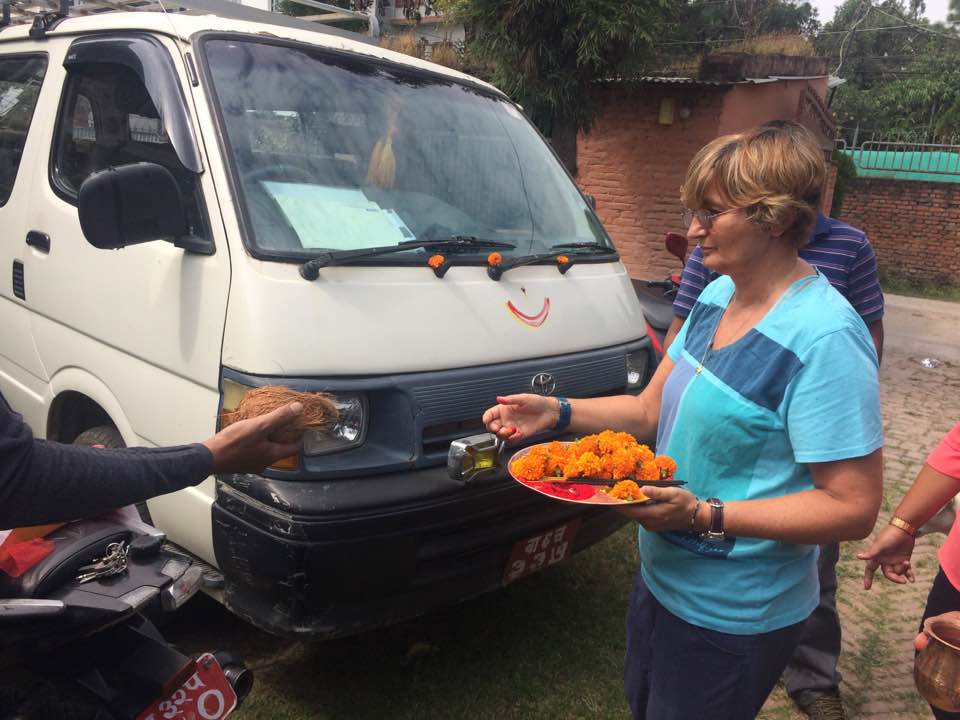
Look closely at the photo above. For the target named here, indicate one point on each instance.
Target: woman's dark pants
(677, 671)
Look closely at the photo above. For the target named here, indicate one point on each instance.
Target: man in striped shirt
(845, 257)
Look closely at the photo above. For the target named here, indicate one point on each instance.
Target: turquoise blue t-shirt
(800, 387)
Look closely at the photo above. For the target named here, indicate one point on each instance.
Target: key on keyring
(112, 563)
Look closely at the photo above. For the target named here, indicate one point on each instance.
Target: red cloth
(18, 557)
(945, 458)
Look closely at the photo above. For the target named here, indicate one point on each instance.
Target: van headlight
(637, 362)
(349, 431)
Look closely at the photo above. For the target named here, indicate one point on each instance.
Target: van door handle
(39, 240)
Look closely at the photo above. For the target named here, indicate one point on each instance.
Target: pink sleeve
(945, 458)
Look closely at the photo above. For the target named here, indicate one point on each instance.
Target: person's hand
(922, 640)
(516, 417)
(891, 552)
(246, 445)
(672, 511)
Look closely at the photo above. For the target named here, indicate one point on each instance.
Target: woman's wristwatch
(715, 532)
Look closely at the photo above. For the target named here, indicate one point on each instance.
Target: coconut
(319, 410)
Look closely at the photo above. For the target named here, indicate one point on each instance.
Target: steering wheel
(279, 172)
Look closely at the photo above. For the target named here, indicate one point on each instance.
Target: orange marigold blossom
(649, 472)
(627, 490)
(608, 455)
(666, 464)
(436, 261)
(562, 259)
(494, 258)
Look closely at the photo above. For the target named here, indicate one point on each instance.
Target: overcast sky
(936, 9)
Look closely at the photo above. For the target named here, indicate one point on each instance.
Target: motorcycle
(656, 296)
(79, 623)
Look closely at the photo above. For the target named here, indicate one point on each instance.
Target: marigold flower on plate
(627, 490)
(494, 259)
(649, 472)
(436, 261)
(667, 466)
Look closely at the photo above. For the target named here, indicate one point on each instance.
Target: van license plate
(540, 551)
(205, 695)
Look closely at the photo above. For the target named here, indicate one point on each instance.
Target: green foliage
(546, 54)
(903, 74)
(846, 171)
(715, 24)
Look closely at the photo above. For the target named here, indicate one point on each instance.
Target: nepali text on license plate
(540, 551)
(205, 695)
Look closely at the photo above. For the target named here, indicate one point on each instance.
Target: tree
(954, 16)
(903, 74)
(547, 54)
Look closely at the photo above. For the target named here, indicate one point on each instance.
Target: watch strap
(715, 533)
(566, 411)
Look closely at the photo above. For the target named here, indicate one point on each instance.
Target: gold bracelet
(899, 522)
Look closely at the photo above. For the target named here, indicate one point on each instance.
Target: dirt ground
(919, 405)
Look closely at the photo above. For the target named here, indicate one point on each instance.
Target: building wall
(634, 166)
(913, 226)
(748, 105)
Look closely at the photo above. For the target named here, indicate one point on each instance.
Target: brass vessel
(936, 670)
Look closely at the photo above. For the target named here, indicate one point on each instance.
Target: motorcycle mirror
(677, 245)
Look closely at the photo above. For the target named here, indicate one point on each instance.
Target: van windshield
(334, 152)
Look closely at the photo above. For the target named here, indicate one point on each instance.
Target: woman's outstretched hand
(890, 552)
(516, 417)
(672, 511)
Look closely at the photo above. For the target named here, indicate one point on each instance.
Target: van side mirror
(131, 204)
(591, 201)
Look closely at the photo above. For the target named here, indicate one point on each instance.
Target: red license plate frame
(203, 694)
(540, 551)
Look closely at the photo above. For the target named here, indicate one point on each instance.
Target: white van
(277, 172)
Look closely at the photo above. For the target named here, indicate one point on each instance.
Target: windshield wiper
(310, 270)
(586, 247)
(558, 253)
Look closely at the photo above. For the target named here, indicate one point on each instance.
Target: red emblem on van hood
(532, 320)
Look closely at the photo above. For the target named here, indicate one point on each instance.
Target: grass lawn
(550, 646)
(914, 288)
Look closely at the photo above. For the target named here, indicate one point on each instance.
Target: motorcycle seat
(75, 544)
(657, 307)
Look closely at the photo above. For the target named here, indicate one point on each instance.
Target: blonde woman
(768, 400)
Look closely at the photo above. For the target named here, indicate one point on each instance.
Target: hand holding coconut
(267, 426)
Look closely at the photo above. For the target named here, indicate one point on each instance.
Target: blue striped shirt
(842, 253)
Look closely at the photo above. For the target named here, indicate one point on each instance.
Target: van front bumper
(324, 559)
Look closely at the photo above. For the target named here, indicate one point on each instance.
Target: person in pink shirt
(936, 484)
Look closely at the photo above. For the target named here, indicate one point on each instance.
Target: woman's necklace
(740, 326)
(713, 335)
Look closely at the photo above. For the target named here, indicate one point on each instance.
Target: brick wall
(914, 226)
(634, 166)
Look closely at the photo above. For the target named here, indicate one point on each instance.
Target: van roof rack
(44, 15)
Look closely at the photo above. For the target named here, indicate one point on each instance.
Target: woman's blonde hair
(776, 171)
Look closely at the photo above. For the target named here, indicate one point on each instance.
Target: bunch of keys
(112, 563)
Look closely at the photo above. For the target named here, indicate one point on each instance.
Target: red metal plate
(204, 695)
(541, 551)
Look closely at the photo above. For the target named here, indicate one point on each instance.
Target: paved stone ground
(919, 406)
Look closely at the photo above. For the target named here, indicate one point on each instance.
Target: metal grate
(907, 155)
(19, 289)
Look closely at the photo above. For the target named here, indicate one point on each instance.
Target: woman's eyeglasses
(704, 217)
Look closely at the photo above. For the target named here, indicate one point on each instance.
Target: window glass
(335, 152)
(20, 80)
(108, 120)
